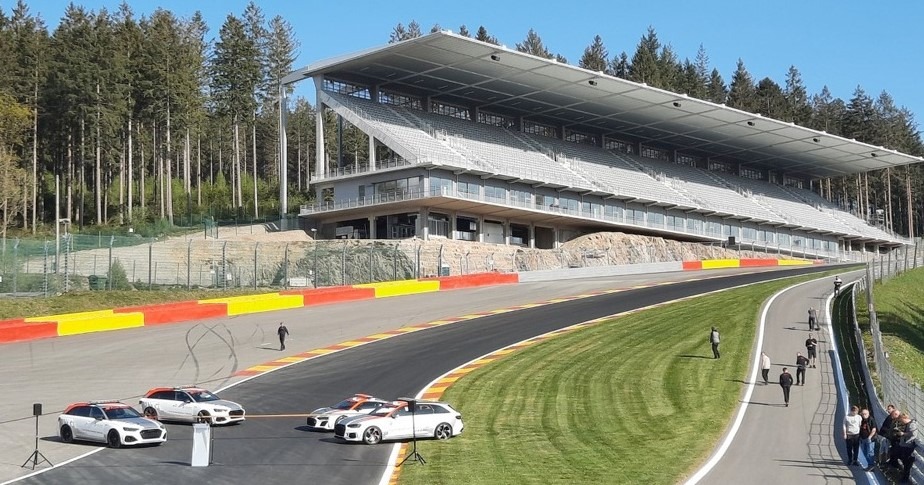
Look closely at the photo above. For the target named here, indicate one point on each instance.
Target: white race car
(191, 404)
(109, 422)
(395, 421)
(359, 404)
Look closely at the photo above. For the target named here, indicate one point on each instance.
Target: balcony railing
(791, 247)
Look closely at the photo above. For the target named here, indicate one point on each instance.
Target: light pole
(314, 236)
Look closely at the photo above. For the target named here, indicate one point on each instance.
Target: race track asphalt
(279, 449)
(801, 443)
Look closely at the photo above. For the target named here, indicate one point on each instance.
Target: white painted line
(38, 472)
(742, 409)
(386, 476)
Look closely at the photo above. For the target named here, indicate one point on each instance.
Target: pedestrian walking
(811, 346)
(765, 367)
(868, 438)
(813, 318)
(714, 340)
(801, 364)
(786, 383)
(283, 333)
(907, 442)
(852, 435)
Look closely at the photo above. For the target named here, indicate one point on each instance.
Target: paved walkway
(801, 443)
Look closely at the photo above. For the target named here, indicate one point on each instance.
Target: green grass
(81, 301)
(637, 399)
(900, 306)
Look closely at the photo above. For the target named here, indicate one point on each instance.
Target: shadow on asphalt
(773, 405)
(811, 463)
(306, 429)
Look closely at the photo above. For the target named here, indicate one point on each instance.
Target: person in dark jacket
(714, 340)
(786, 383)
(283, 332)
(888, 432)
(812, 318)
(868, 438)
(907, 441)
(801, 364)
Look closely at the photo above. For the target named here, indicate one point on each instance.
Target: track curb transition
(35, 328)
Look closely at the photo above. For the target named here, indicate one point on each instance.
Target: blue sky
(877, 45)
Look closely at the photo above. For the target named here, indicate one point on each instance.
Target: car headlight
(221, 410)
(353, 425)
(130, 429)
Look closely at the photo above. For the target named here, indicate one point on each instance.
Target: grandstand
(473, 141)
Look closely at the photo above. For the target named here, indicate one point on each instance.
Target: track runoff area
(280, 448)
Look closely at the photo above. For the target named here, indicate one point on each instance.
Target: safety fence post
(255, 246)
(285, 267)
(109, 272)
(189, 266)
(15, 264)
(150, 264)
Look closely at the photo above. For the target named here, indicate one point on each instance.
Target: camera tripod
(34, 457)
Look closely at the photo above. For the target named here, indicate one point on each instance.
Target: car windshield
(122, 413)
(383, 410)
(345, 404)
(203, 396)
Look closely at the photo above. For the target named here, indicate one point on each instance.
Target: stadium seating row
(507, 153)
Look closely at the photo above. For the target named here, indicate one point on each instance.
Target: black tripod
(34, 457)
(413, 455)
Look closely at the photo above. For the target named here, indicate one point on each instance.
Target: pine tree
(827, 112)
(281, 54)
(595, 57)
(30, 44)
(463, 31)
(620, 66)
(742, 92)
(770, 100)
(235, 75)
(860, 120)
(797, 107)
(533, 45)
(483, 35)
(716, 90)
(645, 66)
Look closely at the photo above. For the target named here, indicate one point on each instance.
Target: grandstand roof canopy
(458, 70)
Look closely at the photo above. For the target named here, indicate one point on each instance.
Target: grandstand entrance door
(545, 238)
(354, 229)
(396, 226)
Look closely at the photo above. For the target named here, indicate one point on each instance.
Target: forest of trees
(160, 118)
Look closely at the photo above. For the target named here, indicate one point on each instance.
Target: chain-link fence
(894, 388)
(268, 256)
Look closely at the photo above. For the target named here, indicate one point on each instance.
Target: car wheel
(443, 431)
(113, 439)
(204, 417)
(372, 436)
(67, 434)
(150, 413)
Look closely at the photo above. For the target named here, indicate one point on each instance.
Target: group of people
(897, 438)
(802, 363)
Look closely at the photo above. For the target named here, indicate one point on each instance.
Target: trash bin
(98, 282)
